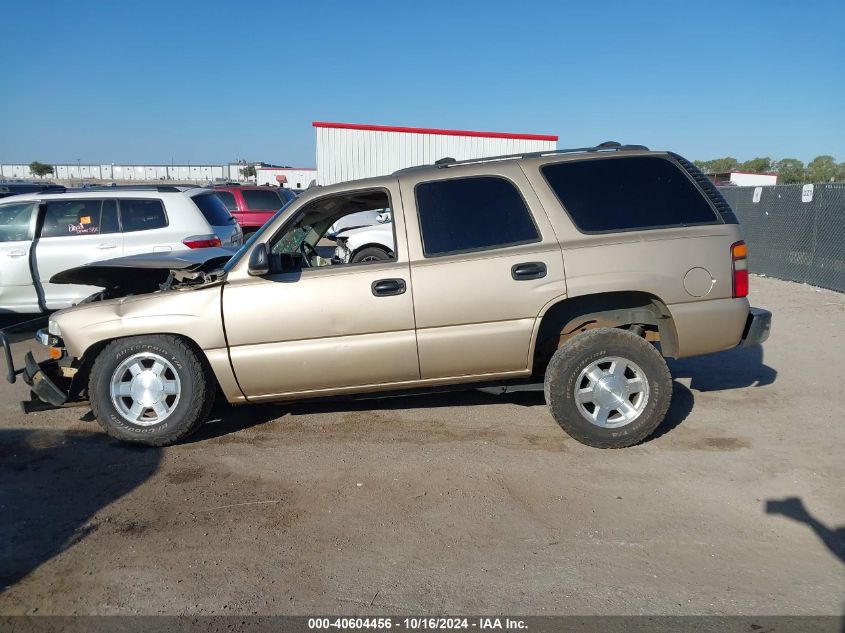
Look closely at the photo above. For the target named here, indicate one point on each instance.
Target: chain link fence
(794, 232)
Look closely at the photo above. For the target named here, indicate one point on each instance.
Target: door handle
(388, 287)
(16, 254)
(528, 270)
(105, 247)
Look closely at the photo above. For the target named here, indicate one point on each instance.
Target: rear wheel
(608, 388)
(152, 390)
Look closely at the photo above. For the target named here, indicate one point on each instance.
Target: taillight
(739, 262)
(201, 241)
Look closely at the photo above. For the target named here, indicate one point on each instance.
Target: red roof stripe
(426, 130)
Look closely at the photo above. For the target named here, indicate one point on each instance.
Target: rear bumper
(757, 327)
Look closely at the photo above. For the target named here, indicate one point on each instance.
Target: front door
(317, 323)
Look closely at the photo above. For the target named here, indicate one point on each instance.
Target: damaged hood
(144, 273)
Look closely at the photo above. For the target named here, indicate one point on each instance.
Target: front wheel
(608, 388)
(370, 254)
(152, 390)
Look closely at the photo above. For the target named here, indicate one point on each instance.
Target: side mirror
(259, 260)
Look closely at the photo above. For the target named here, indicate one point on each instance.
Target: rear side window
(228, 199)
(142, 215)
(472, 214)
(76, 217)
(261, 199)
(213, 209)
(627, 194)
(14, 221)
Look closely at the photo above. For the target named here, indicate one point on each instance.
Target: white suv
(45, 233)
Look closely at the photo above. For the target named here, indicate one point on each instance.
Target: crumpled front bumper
(45, 379)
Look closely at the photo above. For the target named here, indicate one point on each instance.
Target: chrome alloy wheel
(145, 389)
(611, 392)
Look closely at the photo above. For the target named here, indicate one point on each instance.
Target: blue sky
(151, 81)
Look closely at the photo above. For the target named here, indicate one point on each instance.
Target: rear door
(484, 263)
(75, 232)
(146, 227)
(17, 291)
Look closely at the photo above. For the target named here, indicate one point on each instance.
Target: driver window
(339, 230)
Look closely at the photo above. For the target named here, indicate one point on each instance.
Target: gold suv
(579, 268)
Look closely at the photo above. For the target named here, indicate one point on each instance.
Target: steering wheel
(308, 251)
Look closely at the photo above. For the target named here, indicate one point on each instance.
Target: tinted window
(261, 199)
(75, 217)
(14, 221)
(470, 214)
(213, 209)
(142, 215)
(622, 194)
(228, 199)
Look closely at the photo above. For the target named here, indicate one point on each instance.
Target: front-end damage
(61, 380)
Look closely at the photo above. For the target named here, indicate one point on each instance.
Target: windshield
(255, 236)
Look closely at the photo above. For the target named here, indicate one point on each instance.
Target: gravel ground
(454, 503)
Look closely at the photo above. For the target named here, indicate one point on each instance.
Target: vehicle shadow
(225, 419)
(51, 484)
(732, 369)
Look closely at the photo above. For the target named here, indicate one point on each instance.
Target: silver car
(45, 233)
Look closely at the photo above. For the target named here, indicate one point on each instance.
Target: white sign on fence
(807, 193)
(758, 191)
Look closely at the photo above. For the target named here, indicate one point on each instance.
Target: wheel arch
(221, 374)
(378, 245)
(564, 317)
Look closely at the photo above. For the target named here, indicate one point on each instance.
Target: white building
(347, 151)
(130, 173)
(289, 177)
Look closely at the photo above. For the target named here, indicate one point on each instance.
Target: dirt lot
(459, 503)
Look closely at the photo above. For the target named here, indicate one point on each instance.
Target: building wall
(198, 173)
(348, 151)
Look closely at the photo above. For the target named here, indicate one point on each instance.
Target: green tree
(789, 170)
(40, 169)
(840, 176)
(248, 171)
(757, 165)
(822, 169)
(717, 165)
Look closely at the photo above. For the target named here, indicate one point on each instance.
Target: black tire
(370, 254)
(196, 395)
(579, 353)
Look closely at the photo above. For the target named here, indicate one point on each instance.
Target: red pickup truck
(252, 205)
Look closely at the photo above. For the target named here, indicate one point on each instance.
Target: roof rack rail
(159, 188)
(607, 146)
